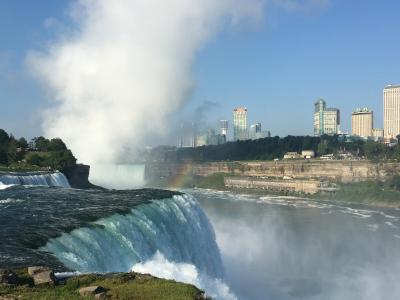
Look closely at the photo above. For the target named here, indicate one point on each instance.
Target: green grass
(119, 286)
(214, 181)
(368, 192)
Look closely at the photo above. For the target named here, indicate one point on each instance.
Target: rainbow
(184, 175)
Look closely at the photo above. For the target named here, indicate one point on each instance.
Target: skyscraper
(240, 123)
(362, 122)
(326, 120)
(391, 111)
(254, 129)
(224, 127)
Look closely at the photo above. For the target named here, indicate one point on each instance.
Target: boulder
(96, 290)
(102, 295)
(8, 277)
(35, 269)
(42, 275)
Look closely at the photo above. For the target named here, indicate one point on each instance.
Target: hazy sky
(344, 51)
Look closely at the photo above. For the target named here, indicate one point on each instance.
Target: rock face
(336, 171)
(78, 177)
(8, 277)
(42, 275)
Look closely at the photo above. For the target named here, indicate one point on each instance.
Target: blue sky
(345, 53)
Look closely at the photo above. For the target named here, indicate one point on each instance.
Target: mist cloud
(124, 67)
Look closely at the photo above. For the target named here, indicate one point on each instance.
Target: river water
(287, 248)
(233, 246)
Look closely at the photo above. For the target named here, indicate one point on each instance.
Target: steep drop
(48, 179)
(177, 227)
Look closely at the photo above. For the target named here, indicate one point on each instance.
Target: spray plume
(124, 67)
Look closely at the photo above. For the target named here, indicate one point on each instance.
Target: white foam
(10, 200)
(159, 266)
(5, 186)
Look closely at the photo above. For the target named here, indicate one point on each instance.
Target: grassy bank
(375, 193)
(118, 286)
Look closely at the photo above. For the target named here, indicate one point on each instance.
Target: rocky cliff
(331, 171)
(78, 177)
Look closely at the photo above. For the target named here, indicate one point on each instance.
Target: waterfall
(49, 179)
(176, 227)
(117, 176)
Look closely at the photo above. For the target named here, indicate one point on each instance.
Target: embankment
(333, 171)
(295, 176)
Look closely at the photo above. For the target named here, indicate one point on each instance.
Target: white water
(122, 176)
(173, 232)
(52, 179)
(186, 273)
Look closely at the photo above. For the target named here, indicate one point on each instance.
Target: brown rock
(35, 269)
(8, 277)
(100, 295)
(42, 275)
(92, 290)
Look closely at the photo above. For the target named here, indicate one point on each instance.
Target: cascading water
(49, 179)
(170, 238)
(117, 176)
(176, 227)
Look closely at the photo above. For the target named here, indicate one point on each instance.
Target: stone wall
(298, 186)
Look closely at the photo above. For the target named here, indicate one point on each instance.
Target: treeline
(275, 148)
(41, 153)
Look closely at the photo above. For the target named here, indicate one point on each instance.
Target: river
(287, 248)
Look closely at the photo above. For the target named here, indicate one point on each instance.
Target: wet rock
(96, 290)
(8, 277)
(42, 275)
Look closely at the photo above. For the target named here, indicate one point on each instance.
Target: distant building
(254, 129)
(187, 138)
(391, 111)
(377, 133)
(362, 122)
(308, 154)
(209, 138)
(224, 127)
(326, 120)
(292, 155)
(240, 124)
(256, 133)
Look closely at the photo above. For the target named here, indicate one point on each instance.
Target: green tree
(56, 145)
(4, 142)
(42, 144)
(322, 148)
(36, 160)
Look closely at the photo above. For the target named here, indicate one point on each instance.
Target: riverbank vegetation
(39, 154)
(275, 148)
(375, 192)
(117, 286)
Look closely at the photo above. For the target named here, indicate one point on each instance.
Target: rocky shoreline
(38, 282)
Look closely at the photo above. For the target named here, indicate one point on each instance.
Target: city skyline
(327, 59)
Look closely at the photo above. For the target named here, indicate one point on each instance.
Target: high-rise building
(224, 127)
(240, 123)
(254, 131)
(377, 134)
(326, 120)
(391, 111)
(362, 122)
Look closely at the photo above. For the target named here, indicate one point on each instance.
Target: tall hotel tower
(362, 122)
(391, 111)
(240, 124)
(326, 120)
